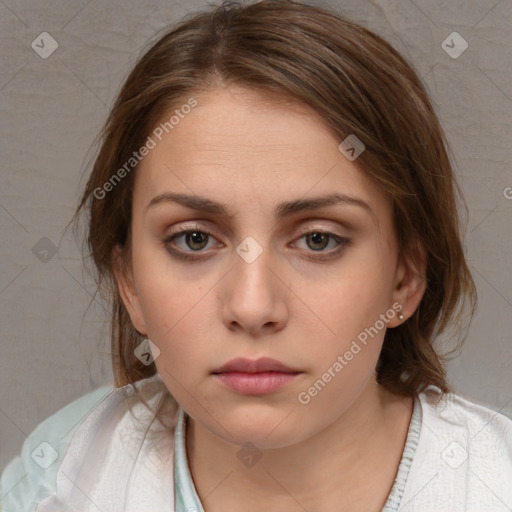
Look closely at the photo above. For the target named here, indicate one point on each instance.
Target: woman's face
(270, 268)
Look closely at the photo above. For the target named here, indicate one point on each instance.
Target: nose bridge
(252, 298)
(252, 269)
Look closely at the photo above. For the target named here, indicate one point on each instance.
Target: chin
(263, 426)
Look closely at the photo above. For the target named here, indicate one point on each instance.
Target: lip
(264, 364)
(255, 377)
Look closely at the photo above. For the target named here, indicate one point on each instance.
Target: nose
(253, 296)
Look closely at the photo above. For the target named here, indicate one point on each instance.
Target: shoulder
(463, 460)
(66, 448)
(30, 476)
(453, 411)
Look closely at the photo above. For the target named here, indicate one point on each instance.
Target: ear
(126, 285)
(410, 281)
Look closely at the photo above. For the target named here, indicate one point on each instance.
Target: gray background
(54, 341)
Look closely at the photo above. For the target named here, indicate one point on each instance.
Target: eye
(194, 240)
(317, 241)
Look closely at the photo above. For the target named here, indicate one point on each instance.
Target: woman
(274, 214)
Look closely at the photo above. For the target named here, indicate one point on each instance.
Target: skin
(298, 302)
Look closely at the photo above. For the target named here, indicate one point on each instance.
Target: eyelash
(190, 256)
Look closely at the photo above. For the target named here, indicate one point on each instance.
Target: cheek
(173, 319)
(351, 299)
(345, 314)
(174, 307)
(163, 294)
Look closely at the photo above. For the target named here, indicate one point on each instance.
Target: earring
(400, 314)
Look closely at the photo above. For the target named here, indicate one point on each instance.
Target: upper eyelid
(201, 229)
(196, 225)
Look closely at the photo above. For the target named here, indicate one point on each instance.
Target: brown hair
(359, 85)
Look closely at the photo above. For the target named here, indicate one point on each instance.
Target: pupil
(318, 238)
(195, 238)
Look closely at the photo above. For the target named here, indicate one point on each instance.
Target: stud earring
(400, 314)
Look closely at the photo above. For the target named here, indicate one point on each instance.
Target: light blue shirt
(185, 496)
(31, 477)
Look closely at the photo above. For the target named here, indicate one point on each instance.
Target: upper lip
(264, 364)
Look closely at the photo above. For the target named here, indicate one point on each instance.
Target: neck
(350, 465)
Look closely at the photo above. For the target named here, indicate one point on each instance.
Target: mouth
(255, 377)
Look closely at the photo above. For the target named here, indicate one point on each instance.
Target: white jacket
(95, 456)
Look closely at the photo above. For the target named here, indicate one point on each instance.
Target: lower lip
(255, 383)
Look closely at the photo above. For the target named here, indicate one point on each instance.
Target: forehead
(239, 144)
(234, 126)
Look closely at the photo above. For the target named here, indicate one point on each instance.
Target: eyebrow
(282, 210)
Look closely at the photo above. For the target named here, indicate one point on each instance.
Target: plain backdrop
(54, 342)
